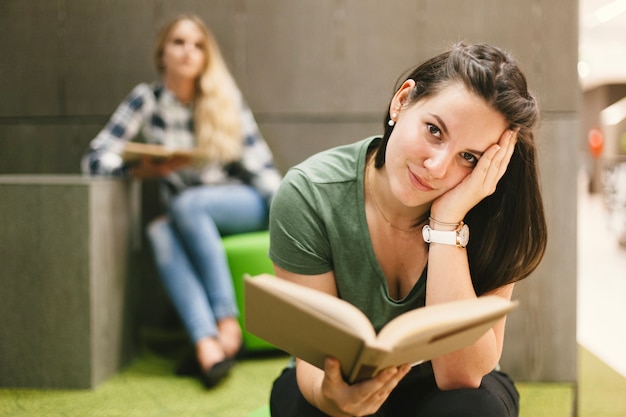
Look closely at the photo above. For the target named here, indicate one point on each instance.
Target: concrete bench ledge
(68, 299)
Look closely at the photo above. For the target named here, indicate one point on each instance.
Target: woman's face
(437, 141)
(184, 51)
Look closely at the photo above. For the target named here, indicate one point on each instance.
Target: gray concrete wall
(317, 73)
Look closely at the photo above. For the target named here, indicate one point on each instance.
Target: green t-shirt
(318, 224)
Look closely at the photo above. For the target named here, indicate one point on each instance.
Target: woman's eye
(178, 41)
(433, 130)
(470, 158)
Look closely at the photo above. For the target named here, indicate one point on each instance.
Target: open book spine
(367, 364)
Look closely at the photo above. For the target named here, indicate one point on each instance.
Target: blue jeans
(189, 254)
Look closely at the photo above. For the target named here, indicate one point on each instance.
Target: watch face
(426, 233)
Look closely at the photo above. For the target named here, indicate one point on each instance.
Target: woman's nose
(437, 163)
(189, 47)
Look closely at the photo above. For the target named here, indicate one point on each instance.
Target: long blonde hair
(217, 120)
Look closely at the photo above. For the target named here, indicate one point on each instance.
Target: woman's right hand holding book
(335, 397)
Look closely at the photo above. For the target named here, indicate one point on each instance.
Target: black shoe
(217, 373)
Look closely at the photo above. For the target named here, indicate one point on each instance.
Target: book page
(306, 323)
(436, 320)
(324, 306)
(418, 349)
(432, 331)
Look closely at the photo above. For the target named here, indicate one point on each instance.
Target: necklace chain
(382, 213)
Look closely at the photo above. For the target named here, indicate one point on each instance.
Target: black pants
(415, 396)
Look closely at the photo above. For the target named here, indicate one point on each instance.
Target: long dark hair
(508, 228)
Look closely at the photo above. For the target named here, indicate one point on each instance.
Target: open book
(136, 150)
(312, 325)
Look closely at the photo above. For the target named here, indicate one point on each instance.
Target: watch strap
(447, 237)
(457, 237)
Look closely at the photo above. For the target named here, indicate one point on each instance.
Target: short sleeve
(298, 237)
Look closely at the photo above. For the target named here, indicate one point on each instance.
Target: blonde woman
(195, 104)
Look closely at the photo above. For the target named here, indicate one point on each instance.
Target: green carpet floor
(147, 388)
(602, 391)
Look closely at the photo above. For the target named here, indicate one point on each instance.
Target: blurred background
(319, 73)
(602, 193)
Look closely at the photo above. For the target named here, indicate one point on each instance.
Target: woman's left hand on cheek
(480, 183)
(492, 166)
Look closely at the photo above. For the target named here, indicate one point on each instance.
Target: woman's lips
(420, 183)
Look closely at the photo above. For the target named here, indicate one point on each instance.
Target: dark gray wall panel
(31, 64)
(295, 141)
(44, 148)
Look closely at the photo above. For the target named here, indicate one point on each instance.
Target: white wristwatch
(458, 237)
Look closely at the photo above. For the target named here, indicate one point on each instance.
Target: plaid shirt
(151, 113)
